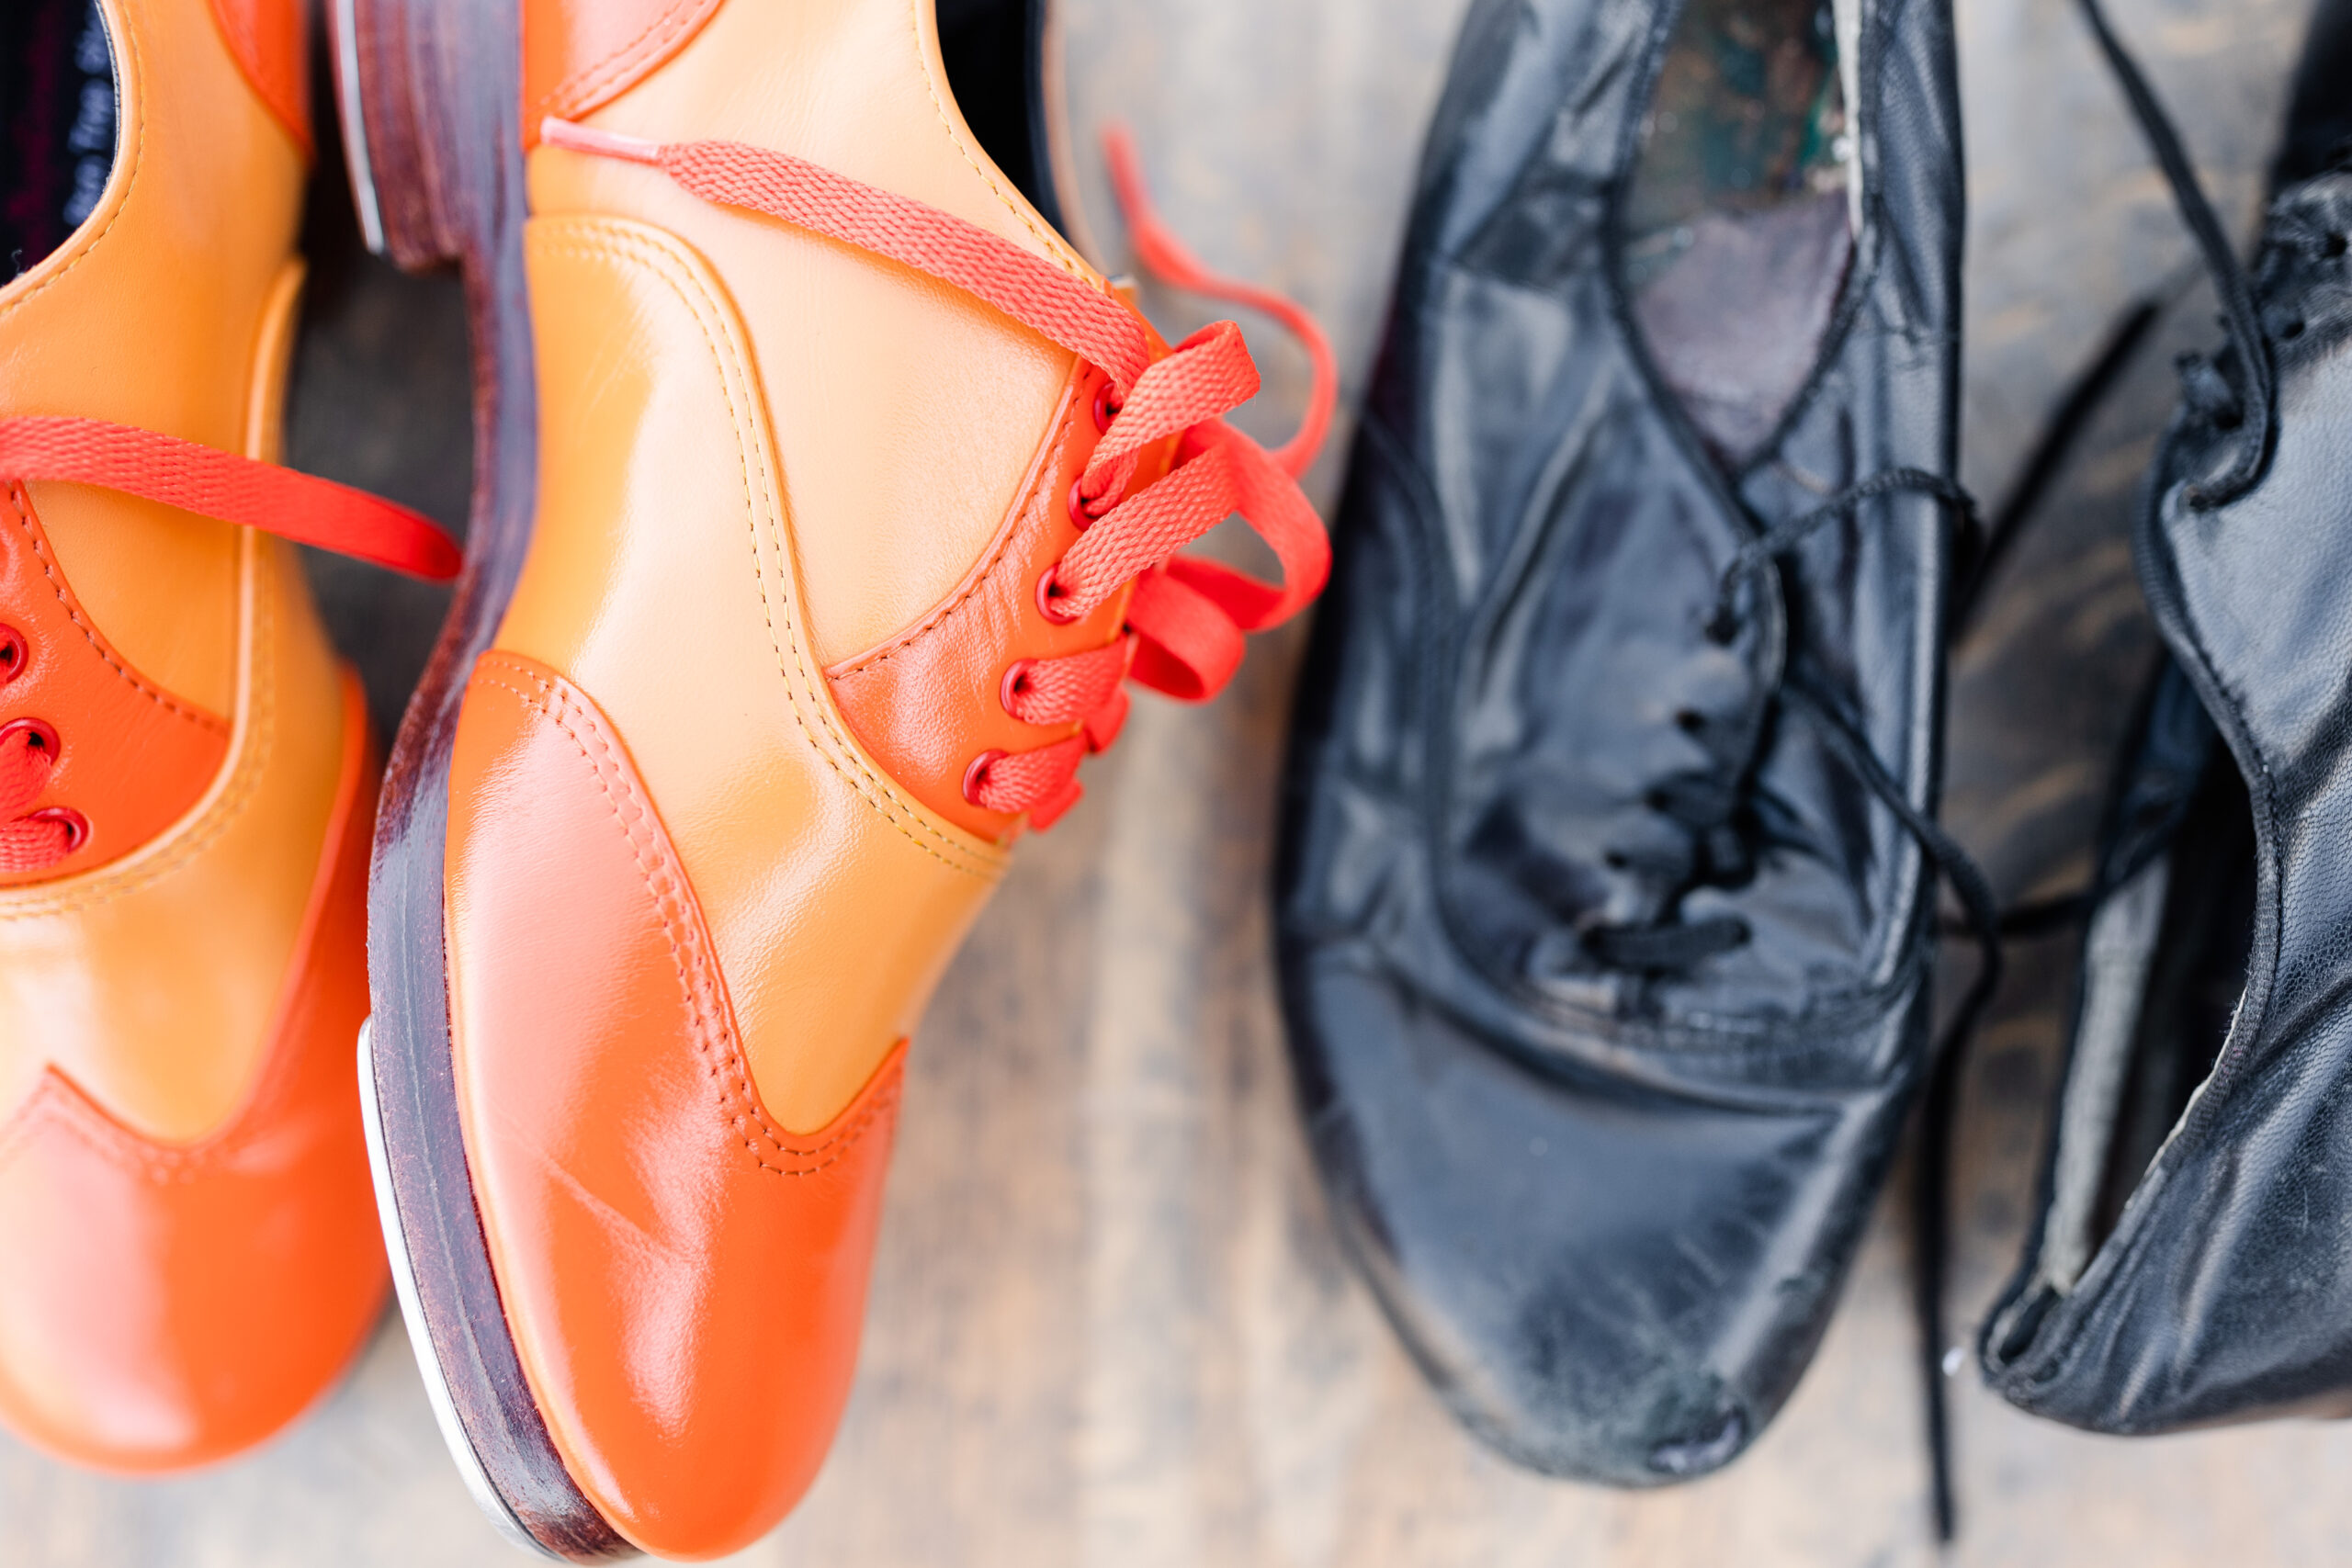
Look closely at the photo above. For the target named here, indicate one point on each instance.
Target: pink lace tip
(563, 133)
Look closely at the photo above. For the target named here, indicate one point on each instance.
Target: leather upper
(2225, 1288)
(184, 1204)
(167, 1305)
(696, 1298)
(793, 503)
(270, 39)
(1609, 1206)
(577, 58)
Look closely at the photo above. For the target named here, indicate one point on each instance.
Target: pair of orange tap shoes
(828, 500)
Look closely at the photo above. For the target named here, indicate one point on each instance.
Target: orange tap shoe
(185, 775)
(829, 498)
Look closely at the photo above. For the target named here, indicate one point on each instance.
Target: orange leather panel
(578, 57)
(906, 415)
(663, 579)
(164, 1305)
(164, 311)
(270, 40)
(929, 700)
(683, 1278)
(151, 981)
(132, 758)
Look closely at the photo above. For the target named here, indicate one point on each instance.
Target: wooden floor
(1110, 1327)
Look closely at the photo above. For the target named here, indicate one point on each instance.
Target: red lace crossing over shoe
(187, 775)
(1184, 623)
(835, 499)
(192, 478)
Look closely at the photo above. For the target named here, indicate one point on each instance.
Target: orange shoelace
(197, 478)
(1186, 618)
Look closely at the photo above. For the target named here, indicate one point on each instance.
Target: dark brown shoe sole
(430, 92)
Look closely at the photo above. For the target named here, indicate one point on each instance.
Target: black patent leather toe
(1603, 941)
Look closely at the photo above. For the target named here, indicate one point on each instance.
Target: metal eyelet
(1105, 408)
(975, 775)
(1079, 503)
(43, 735)
(1016, 675)
(77, 827)
(15, 653)
(1045, 602)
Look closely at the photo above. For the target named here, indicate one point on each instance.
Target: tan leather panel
(906, 414)
(683, 1280)
(150, 983)
(576, 57)
(931, 699)
(663, 580)
(165, 1307)
(270, 40)
(131, 757)
(120, 323)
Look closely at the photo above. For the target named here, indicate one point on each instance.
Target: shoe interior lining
(57, 106)
(2164, 967)
(1739, 218)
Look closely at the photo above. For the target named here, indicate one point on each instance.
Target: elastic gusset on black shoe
(1605, 889)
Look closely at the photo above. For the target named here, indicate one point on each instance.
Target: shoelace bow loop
(194, 478)
(1186, 616)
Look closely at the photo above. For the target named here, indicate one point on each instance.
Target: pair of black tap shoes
(1608, 888)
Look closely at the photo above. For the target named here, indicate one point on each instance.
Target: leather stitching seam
(715, 1038)
(19, 506)
(986, 573)
(109, 883)
(1055, 248)
(605, 244)
(580, 89)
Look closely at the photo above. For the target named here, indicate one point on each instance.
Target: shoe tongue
(2319, 121)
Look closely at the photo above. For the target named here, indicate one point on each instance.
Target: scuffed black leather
(1610, 1211)
(2225, 1290)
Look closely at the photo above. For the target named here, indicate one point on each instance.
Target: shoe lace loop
(1186, 616)
(1712, 805)
(2256, 391)
(193, 478)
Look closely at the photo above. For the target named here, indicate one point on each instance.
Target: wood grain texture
(1109, 1326)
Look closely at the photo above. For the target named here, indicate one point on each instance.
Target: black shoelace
(2236, 391)
(1713, 805)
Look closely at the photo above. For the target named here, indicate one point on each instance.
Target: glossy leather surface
(578, 58)
(131, 757)
(682, 1277)
(1608, 1210)
(760, 455)
(931, 699)
(174, 1081)
(912, 416)
(662, 582)
(120, 324)
(270, 39)
(167, 1305)
(2225, 1289)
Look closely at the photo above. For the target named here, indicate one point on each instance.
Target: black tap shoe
(2193, 1259)
(1605, 902)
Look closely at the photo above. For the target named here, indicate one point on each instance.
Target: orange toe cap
(684, 1279)
(166, 1307)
